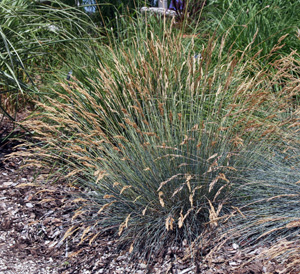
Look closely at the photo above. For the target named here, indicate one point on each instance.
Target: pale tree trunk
(163, 4)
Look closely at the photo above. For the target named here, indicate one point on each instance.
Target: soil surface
(35, 216)
(34, 219)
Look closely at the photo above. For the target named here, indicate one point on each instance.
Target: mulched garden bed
(35, 216)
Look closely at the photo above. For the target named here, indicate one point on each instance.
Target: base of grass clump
(264, 225)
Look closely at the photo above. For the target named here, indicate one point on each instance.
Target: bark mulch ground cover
(34, 218)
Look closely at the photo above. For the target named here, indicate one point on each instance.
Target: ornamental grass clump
(164, 145)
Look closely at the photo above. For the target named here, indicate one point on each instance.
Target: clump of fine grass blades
(166, 145)
(241, 19)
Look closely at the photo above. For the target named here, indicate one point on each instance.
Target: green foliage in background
(240, 20)
(30, 33)
(104, 12)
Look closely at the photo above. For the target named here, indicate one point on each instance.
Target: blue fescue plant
(166, 146)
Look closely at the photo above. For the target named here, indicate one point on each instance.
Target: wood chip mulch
(35, 217)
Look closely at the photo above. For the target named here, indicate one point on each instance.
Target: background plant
(30, 33)
(105, 13)
(240, 20)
